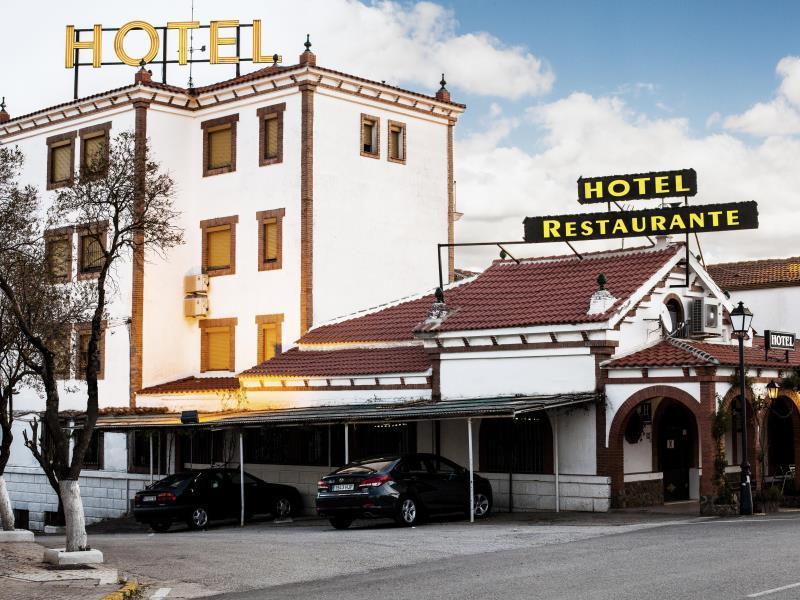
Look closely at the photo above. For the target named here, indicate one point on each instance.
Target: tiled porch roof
(189, 385)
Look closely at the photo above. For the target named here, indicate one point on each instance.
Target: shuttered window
(58, 257)
(219, 247)
(61, 163)
(220, 150)
(271, 240)
(91, 253)
(368, 137)
(94, 153)
(271, 340)
(397, 141)
(271, 133)
(219, 349)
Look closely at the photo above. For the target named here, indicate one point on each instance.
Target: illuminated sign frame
(639, 186)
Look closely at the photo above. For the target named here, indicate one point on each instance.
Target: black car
(196, 497)
(404, 488)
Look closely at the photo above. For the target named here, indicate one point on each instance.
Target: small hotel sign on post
(779, 340)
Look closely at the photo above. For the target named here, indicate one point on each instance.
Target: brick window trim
(377, 128)
(261, 320)
(52, 142)
(53, 235)
(84, 328)
(104, 130)
(402, 126)
(205, 325)
(261, 217)
(218, 222)
(101, 230)
(263, 113)
(210, 124)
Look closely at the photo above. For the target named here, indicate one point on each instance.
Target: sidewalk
(23, 576)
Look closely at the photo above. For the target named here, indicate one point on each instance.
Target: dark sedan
(196, 497)
(404, 488)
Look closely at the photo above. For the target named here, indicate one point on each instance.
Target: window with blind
(217, 344)
(59, 257)
(270, 223)
(219, 145)
(269, 336)
(218, 247)
(271, 134)
(397, 142)
(370, 138)
(91, 253)
(60, 160)
(93, 160)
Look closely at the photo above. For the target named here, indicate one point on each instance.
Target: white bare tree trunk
(73, 515)
(6, 514)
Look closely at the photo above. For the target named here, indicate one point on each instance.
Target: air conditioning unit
(195, 284)
(196, 306)
(712, 316)
(697, 320)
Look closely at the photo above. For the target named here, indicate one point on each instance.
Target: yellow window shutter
(271, 341)
(219, 349)
(91, 253)
(219, 247)
(271, 240)
(83, 355)
(57, 252)
(271, 125)
(61, 168)
(219, 151)
(396, 143)
(93, 149)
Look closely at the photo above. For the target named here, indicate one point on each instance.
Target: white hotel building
(307, 194)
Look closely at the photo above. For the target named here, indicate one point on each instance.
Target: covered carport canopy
(378, 412)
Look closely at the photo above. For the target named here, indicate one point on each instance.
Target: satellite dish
(665, 318)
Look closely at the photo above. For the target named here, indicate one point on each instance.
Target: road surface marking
(160, 593)
(773, 590)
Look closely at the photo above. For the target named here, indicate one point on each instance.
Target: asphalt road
(719, 559)
(569, 556)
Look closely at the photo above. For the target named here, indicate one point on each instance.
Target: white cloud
(500, 184)
(779, 116)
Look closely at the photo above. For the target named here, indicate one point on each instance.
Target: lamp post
(741, 318)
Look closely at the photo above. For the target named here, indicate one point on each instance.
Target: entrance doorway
(780, 437)
(677, 435)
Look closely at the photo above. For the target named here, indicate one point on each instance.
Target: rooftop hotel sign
(682, 219)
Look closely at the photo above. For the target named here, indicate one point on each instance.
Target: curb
(129, 590)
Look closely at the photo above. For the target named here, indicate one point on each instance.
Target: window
(91, 252)
(367, 441)
(93, 459)
(84, 333)
(321, 445)
(219, 246)
(370, 136)
(269, 336)
(94, 150)
(58, 249)
(521, 445)
(270, 239)
(270, 137)
(218, 344)
(60, 160)
(139, 451)
(219, 145)
(677, 322)
(397, 142)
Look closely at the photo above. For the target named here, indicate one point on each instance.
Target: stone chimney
(4, 116)
(443, 94)
(662, 241)
(602, 299)
(308, 58)
(143, 75)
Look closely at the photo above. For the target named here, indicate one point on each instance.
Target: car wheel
(161, 526)
(482, 505)
(282, 509)
(407, 512)
(199, 518)
(341, 522)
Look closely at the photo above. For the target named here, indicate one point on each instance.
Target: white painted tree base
(59, 556)
(18, 535)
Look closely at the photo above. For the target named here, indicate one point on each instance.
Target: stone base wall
(649, 492)
(587, 493)
(106, 494)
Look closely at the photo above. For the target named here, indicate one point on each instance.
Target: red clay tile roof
(344, 362)
(194, 384)
(754, 274)
(688, 353)
(534, 292)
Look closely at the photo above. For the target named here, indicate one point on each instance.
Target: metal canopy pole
(150, 437)
(555, 461)
(346, 446)
(241, 476)
(471, 473)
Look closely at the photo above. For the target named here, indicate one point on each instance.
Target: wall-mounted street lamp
(773, 389)
(741, 318)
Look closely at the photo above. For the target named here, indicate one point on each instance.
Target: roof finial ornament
(3, 104)
(601, 281)
(443, 83)
(443, 94)
(308, 42)
(4, 116)
(308, 58)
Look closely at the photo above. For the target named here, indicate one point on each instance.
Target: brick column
(137, 295)
(307, 207)
(708, 406)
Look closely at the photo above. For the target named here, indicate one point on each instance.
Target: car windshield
(366, 467)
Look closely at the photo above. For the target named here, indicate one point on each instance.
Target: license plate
(344, 487)
(148, 498)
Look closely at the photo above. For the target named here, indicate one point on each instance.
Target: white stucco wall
(773, 308)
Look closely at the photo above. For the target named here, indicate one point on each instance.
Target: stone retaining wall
(588, 493)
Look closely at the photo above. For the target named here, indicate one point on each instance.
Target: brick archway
(616, 457)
